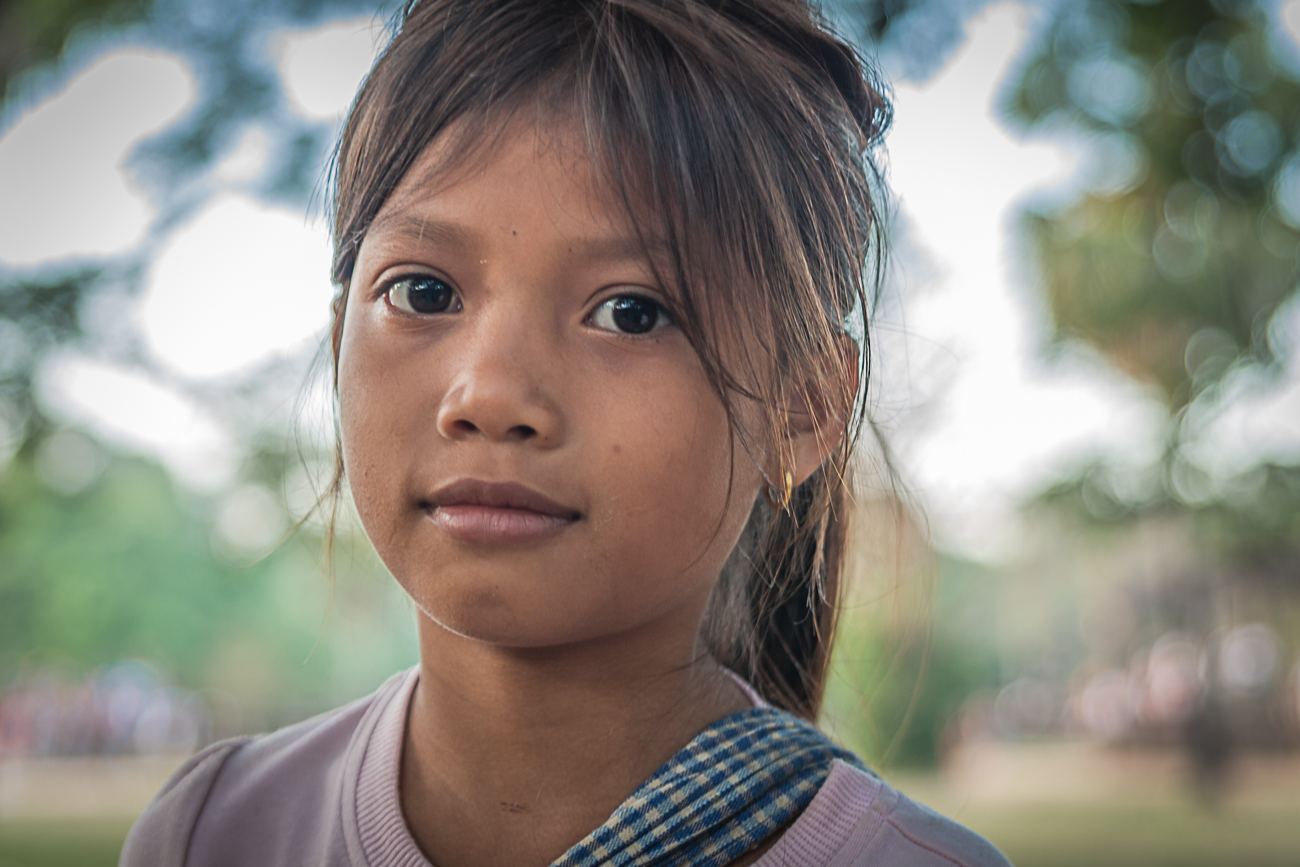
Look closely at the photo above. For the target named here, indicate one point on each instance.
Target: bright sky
(238, 283)
(63, 181)
(985, 420)
(130, 409)
(979, 418)
(322, 68)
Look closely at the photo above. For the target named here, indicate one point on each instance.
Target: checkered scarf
(726, 791)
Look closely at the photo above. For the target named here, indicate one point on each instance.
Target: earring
(779, 499)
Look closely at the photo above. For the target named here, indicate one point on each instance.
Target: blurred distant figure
(1209, 743)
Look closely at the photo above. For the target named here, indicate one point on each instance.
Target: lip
(472, 510)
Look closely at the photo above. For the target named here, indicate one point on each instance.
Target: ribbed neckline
(824, 827)
(387, 842)
(385, 839)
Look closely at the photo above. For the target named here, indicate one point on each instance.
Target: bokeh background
(1074, 624)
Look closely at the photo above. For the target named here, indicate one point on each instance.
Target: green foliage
(912, 36)
(36, 315)
(127, 569)
(1173, 266)
(32, 31)
(116, 572)
(42, 309)
(1252, 522)
(893, 691)
(878, 16)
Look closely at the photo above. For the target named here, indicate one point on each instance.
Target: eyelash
(662, 318)
(397, 293)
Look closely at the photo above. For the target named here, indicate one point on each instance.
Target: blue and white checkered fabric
(727, 790)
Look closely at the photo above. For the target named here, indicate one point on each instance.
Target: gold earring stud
(779, 500)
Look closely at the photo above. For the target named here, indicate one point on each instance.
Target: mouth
(472, 510)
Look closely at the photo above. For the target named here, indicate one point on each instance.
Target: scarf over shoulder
(726, 791)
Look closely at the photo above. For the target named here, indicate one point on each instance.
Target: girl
(598, 264)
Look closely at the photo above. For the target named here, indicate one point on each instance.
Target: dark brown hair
(748, 130)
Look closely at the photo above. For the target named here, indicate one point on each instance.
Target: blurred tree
(34, 31)
(1252, 528)
(123, 564)
(877, 15)
(1172, 261)
(225, 43)
(1199, 571)
(895, 690)
(35, 315)
(127, 565)
(116, 570)
(1175, 261)
(914, 36)
(1173, 264)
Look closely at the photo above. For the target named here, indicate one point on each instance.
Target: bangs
(754, 210)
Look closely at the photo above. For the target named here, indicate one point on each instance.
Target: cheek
(360, 422)
(678, 492)
(649, 452)
(376, 425)
(675, 469)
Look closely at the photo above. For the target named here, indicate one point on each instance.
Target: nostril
(523, 432)
(464, 426)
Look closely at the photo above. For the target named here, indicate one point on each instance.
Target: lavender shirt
(324, 793)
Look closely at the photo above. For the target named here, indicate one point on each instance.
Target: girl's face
(531, 443)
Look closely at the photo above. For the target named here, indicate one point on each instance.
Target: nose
(502, 388)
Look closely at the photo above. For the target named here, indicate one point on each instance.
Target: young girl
(599, 264)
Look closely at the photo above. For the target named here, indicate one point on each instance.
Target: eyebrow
(420, 229)
(611, 248)
(620, 248)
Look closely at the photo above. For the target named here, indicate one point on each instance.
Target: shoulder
(162, 833)
(930, 838)
(858, 820)
(274, 790)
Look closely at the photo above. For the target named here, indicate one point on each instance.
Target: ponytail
(773, 614)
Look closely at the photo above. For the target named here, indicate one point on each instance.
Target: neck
(513, 755)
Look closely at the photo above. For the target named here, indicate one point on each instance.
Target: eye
(421, 294)
(630, 314)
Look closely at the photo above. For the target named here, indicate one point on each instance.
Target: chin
(488, 616)
(523, 624)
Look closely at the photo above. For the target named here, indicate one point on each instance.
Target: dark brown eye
(422, 294)
(630, 314)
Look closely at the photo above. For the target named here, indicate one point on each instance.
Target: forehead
(542, 172)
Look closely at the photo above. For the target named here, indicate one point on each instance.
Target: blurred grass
(1057, 836)
(51, 843)
(1189, 836)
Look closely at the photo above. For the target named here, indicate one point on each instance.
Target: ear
(816, 427)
